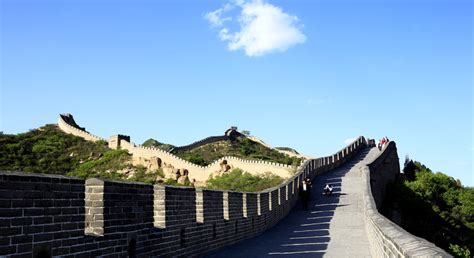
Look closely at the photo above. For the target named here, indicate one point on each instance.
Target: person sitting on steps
(328, 189)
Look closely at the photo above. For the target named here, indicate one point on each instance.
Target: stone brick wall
(65, 125)
(40, 213)
(69, 217)
(386, 238)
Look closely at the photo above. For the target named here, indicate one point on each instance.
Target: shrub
(237, 180)
(459, 251)
(436, 207)
(146, 177)
(109, 163)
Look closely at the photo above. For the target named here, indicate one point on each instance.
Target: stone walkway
(333, 227)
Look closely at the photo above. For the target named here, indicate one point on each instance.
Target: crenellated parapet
(386, 238)
(59, 215)
(67, 124)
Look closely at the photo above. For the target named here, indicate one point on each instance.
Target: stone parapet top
(395, 239)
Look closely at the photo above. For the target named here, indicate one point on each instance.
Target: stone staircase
(333, 227)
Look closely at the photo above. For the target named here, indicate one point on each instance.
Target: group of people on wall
(383, 142)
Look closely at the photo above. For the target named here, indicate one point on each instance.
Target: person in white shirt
(328, 189)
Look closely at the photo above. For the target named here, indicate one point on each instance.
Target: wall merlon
(159, 206)
(225, 205)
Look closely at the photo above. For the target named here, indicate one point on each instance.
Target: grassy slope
(240, 147)
(51, 151)
(154, 143)
(237, 180)
(46, 150)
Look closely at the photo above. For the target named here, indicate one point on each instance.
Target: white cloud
(349, 141)
(264, 28)
(216, 18)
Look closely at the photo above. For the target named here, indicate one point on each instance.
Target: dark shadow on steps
(301, 233)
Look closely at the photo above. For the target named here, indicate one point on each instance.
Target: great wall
(173, 164)
(47, 215)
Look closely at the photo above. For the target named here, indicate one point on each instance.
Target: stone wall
(69, 217)
(386, 238)
(170, 161)
(41, 213)
(201, 173)
(69, 126)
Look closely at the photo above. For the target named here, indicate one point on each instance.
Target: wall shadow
(303, 233)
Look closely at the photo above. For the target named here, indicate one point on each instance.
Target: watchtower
(114, 141)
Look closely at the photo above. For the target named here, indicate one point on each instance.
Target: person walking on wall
(305, 194)
(310, 186)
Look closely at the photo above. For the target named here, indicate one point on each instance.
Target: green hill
(51, 151)
(240, 147)
(434, 206)
(154, 143)
(238, 180)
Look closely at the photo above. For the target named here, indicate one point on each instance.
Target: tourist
(328, 189)
(310, 185)
(305, 193)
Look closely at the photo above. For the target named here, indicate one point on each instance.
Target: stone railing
(386, 238)
(57, 216)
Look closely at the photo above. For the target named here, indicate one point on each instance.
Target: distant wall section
(175, 164)
(67, 124)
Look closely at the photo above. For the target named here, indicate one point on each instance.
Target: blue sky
(305, 74)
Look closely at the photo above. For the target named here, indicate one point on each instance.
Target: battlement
(68, 216)
(67, 124)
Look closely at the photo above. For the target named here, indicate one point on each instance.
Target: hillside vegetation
(240, 147)
(238, 180)
(436, 207)
(156, 144)
(49, 150)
